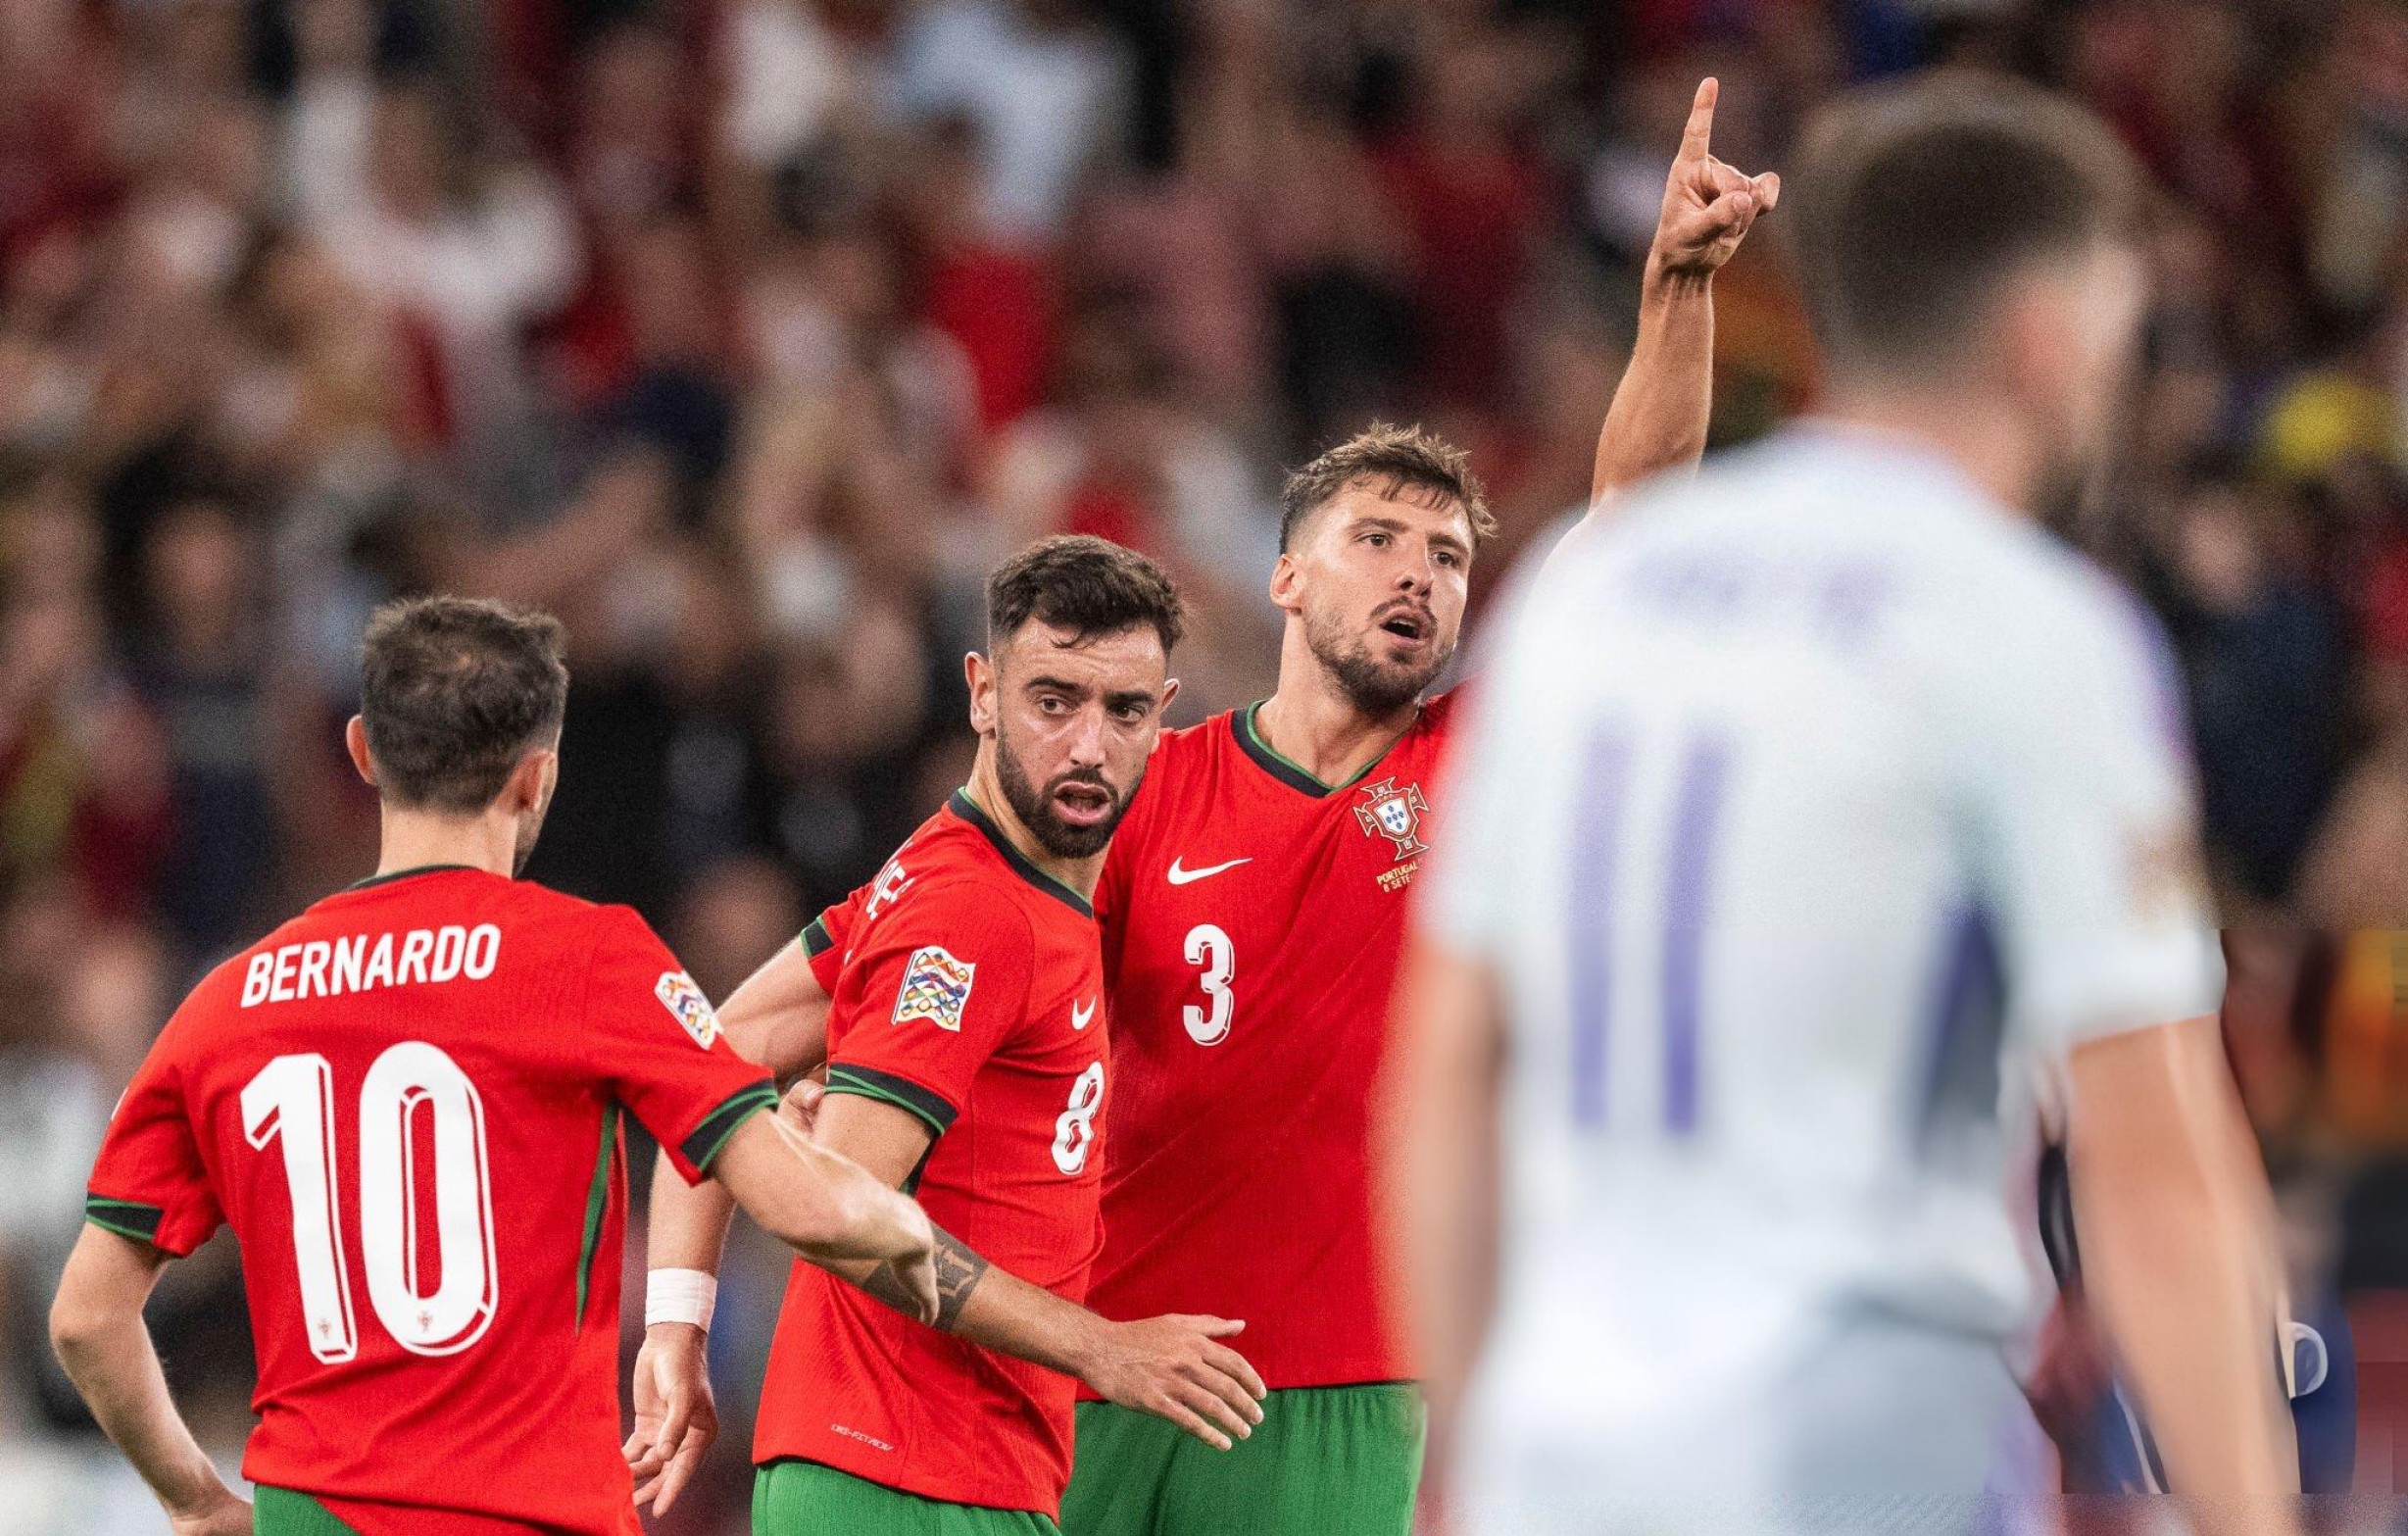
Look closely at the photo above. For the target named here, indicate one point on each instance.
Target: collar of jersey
(970, 811)
(1286, 769)
(374, 881)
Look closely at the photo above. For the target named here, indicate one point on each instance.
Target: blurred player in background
(967, 1058)
(1252, 913)
(1814, 826)
(406, 1102)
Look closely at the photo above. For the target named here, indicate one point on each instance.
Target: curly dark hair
(1395, 460)
(1085, 584)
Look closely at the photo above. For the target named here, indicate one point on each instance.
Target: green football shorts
(1324, 1462)
(805, 1499)
(280, 1511)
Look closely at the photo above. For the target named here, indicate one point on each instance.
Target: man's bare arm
(1438, 1168)
(2179, 1262)
(1173, 1366)
(778, 1019)
(97, 1330)
(1658, 417)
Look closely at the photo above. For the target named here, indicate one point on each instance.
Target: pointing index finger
(1699, 133)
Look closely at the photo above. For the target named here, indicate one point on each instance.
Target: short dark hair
(453, 692)
(1393, 460)
(1916, 203)
(1088, 586)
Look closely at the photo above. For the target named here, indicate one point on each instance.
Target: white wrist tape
(680, 1296)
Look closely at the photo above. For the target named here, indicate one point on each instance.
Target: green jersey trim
(901, 1092)
(126, 1217)
(703, 1142)
(596, 1199)
(972, 812)
(403, 874)
(1286, 769)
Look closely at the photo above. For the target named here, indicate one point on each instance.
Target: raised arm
(1657, 420)
(96, 1328)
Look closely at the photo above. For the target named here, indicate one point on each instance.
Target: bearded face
(1072, 718)
(1379, 583)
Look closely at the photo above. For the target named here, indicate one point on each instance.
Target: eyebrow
(1116, 699)
(1056, 684)
(1398, 525)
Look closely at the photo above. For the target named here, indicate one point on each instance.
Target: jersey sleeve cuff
(901, 1092)
(703, 1142)
(126, 1217)
(815, 938)
(819, 951)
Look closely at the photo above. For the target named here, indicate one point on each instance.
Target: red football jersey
(406, 1102)
(968, 990)
(1253, 922)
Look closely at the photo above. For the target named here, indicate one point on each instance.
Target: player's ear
(530, 783)
(2032, 334)
(979, 672)
(355, 741)
(1287, 583)
(1170, 691)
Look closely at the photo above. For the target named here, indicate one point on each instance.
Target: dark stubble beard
(1373, 686)
(1035, 806)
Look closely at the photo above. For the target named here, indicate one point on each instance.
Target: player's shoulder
(1192, 749)
(214, 999)
(1184, 765)
(960, 871)
(2025, 601)
(537, 912)
(1439, 713)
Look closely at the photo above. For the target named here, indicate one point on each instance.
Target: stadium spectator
(749, 334)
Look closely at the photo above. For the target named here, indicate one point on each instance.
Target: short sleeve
(823, 943)
(149, 1183)
(656, 1043)
(930, 991)
(2088, 831)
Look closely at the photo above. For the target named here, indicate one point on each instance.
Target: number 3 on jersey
(1208, 946)
(293, 1098)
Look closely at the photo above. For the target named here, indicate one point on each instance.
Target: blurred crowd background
(746, 335)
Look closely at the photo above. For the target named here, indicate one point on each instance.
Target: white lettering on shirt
(365, 962)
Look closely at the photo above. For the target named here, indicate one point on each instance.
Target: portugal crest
(1385, 811)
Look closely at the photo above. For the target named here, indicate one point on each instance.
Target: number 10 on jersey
(292, 1100)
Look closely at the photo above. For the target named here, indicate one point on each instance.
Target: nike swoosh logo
(1179, 877)
(1080, 1018)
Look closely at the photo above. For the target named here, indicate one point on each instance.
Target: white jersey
(1807, 816)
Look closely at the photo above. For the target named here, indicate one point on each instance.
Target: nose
(1084, 744)
(1418, 574)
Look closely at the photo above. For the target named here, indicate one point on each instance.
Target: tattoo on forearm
(958, 1272)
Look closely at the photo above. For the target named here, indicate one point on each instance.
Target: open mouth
(1408, 626)
(1082, 805)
